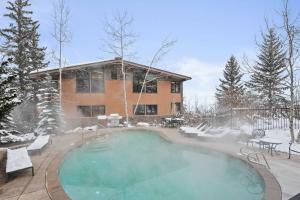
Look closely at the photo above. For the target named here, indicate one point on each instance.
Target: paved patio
(23, 186)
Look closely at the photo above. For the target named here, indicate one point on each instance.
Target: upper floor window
(114, 73)
(90, 81)
(150, 82)
(175, 87)
(82, 81)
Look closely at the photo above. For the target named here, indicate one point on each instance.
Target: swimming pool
(140, 165)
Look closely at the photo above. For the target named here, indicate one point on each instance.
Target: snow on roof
(17, 159)
(103, 62)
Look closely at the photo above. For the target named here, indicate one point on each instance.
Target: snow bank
(143, 124)
(76, 130)
(9, 138)
(90, 128)
(79, 129)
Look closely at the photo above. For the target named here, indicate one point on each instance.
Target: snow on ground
(90, 128)
(284, 136)
(279, 134)
(17, 138)
(143, 124)
(78, 129)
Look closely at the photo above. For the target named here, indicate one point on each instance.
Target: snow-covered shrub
(50, 113)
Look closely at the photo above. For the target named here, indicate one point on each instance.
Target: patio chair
(204, 135)
(39, 143)
(192, 132)
(293, 149)
(17, 160)
(184, 129)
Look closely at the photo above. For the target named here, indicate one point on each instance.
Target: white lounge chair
(188, 129)
(192, 132)
(39, 143)
(207, 135)
(17, 160)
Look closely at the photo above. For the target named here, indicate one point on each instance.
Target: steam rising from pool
(140, 165)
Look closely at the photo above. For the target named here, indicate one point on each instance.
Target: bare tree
(162, 51)
(61, 34)
(119, 42)
(291, 39)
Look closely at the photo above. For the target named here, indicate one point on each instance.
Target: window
(82, 81)
(176, 107)
(85, 111)
(98, 110)
(151, 109)
(97, 81)
(114, 73)
(138, 78)
(145, 110)
(90, 81)
(175, 87)
(91, 111)
(150, 83)
(140, 110)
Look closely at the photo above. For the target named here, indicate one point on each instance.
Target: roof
(114, 61)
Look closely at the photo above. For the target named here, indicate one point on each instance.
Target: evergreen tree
(8, 97)
(37, 57)
(21, 42)
(37, 54)
(50, 117)
(17, 38)
(229, 94)
(268, 77)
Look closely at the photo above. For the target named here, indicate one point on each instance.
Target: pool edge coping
(56, 191)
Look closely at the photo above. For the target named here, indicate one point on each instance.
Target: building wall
(113, 99)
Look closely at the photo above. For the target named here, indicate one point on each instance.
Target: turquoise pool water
(140, 165)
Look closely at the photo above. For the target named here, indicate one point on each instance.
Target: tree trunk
(291, 116)
(124, 91)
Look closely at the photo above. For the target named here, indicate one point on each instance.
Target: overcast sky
(207, 33)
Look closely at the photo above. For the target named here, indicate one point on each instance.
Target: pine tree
(229, 94)
(37, 53)
(50, 117)
(8, 97)
(268, 77)
(37, 57)
(21, 42)
(17, 41)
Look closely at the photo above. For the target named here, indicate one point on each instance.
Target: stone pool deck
(45, 184)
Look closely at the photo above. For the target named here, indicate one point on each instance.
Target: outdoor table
(271, 142)
(173, 122)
